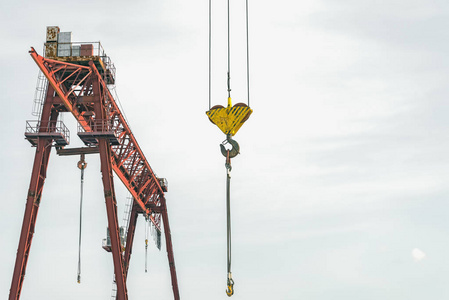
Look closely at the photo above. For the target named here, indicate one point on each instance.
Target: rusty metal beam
(111, 203)
(38, 176)
(77, 151)
(169, 246)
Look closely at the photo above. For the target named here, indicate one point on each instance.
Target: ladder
(39, 95)
(125, 223)
(127, 213)
(114, 289)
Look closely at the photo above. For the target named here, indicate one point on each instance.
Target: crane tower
(78, 78)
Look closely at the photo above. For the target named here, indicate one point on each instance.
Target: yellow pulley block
(231, 118)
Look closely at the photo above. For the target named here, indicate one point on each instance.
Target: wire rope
(247, 51)
(229, 54)
(80, 227)
(210, 51)
(147, 229)
(228, 217)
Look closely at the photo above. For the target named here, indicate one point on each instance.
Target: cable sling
(81, 165)
(230, 281)
(147, 229)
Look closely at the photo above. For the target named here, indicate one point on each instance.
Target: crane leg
(111, 209)
(169, 246)
(104, 148)
(38, 176)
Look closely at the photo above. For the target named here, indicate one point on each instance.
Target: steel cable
(80, 227)
(147, 229)
(228, 215)
(210, 50)
(229, 54)
(247, 52)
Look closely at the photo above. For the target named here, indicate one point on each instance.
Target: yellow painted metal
(231, 118)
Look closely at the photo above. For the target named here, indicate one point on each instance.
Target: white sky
(342, 175)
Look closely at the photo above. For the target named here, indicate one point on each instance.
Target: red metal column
(38, 176)
(169, 246)
(109, 194)
(111, 210)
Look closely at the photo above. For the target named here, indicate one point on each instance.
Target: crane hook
(82, 164)
(230, 289)
(234, 150)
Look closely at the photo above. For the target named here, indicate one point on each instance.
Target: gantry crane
(79, 77)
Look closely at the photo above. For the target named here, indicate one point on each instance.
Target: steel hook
(82, 164)
(234, 150)
(230, 289)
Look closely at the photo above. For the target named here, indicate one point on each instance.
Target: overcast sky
(340, 189)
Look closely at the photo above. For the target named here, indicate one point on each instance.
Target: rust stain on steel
(51, 49)
(52, 33)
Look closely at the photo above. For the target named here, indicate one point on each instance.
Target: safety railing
(49, 127)
(79, 49)
(55, 130)
(99, 126)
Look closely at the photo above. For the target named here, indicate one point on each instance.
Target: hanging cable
(247, 52)
(210, 51)
(81, 165)
(229, 57)
(147, 229)
(230, 281)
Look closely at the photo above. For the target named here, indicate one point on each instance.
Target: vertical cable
(147, 229)
(229, 55)
(210, 49)
(81, 219)
(228, 219)
(247, 52)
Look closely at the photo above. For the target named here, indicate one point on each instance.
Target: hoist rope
(210, 50)
(80, 227)
(147, 229)
(247, 52)
(81, 165)
(228, 217)
(230, 281)
(229, 54)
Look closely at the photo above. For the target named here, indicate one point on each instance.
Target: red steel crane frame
(82, 90)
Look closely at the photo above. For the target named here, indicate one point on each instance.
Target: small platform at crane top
(59, 46)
